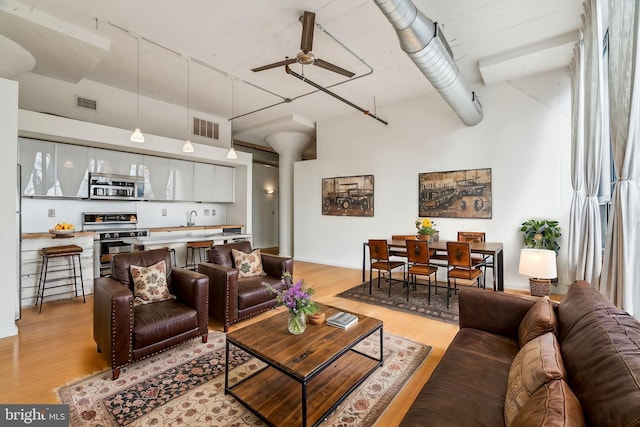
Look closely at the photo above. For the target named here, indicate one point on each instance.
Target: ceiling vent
(86, 103)
(422, 40)
(206, 129)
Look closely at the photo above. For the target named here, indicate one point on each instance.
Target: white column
(289, 146)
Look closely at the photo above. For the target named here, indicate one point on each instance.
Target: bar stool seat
(72, 252)
(200, 248)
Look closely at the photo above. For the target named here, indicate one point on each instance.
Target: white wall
(524, 138)
(9, 303)
(265, 206)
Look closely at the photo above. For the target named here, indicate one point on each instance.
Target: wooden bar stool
(199, 247)
(71, 253)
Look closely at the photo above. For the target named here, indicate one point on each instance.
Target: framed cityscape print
(455, 194)
(348, 196)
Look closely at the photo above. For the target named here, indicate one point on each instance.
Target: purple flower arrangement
(297, 297)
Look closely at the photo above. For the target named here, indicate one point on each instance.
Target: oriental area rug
(418, 299)
(185, 386)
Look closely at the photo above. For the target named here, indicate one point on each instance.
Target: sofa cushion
(601, 350)
(251, 292)
(553, 405)
(469, 383)
(163, 320)
(248, 265)
(221, 254)
(537, 363)
(539, 320)
(150, 284)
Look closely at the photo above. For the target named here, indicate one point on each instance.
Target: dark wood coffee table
(306, 376)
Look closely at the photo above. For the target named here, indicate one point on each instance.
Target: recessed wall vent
(86, 103)
(206, 129)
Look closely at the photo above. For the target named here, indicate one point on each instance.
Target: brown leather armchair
(127, 333)
(232, 298)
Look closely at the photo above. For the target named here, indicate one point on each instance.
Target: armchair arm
(113, 320)
(275, 265)
(223, 292)
(192, 288)
(496, 312)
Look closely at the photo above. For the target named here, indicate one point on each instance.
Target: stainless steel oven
(110, 229)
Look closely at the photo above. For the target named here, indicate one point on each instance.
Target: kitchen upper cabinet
(37, 160)
(72, 170)
(203, 179)
(182, 179)
(223, 184)
(115, 162)
(157, 178)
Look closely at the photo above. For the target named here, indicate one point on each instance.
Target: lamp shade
(538, 263)
(232, 154)
(187, 147)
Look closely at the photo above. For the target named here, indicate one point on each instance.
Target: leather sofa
(597, 350)
(231, 298)
(127, 333)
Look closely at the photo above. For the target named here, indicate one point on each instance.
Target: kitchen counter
(184, 237)
(27, 236)
(191, 228)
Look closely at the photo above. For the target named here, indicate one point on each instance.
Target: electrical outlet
(213, 212)
(164, 212)
(52, 213)
(206, 212)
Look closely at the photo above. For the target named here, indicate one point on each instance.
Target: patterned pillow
(554, 404)
(150, 284)
(248, 265)
(536, 364)
(539, 320)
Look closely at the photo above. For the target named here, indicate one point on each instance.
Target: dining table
(494, 249)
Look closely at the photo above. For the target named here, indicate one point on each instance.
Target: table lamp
(540, 266)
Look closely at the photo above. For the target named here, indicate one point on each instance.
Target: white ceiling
(492, 41)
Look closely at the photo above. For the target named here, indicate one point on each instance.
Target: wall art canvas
(348, 196)
(455, 194)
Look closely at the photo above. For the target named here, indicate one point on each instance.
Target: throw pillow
(150, 284)
(536, 364)
(248, 265)
(554, 404)
(539, 320)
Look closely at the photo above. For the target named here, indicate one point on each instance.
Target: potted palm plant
(538, 259)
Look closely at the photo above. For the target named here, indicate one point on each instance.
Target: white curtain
(620, 280)
(585, 243)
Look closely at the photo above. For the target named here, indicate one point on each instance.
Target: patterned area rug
(418, 299)
(185, 386)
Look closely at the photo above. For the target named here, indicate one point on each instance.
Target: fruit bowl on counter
(63, 229)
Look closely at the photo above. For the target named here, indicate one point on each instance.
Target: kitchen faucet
(190, 221)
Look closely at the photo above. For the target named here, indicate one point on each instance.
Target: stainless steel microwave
(114, 187)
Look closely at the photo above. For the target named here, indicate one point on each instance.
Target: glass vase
(297, 322)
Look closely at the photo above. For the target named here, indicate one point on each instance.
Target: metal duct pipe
(421, 39)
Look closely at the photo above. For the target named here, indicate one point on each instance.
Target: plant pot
(429, 237)
(539, 287)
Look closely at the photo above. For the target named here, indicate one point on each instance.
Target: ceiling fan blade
(274, 65)
(308, 24)
(329, 66)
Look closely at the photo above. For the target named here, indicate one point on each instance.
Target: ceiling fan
(306, 56)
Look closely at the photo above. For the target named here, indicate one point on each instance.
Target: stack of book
(342, 320)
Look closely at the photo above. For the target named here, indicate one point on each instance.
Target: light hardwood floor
(56, 346)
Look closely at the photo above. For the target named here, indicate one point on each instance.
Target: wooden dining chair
(485, 261)
(418, 261)
(379, 260)
(460, 266)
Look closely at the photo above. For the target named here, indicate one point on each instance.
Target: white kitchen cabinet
(203, 180)
(223, 184)
(182, 179)
(157, 178)
(115, 162)
(72, 170)
(37, 159)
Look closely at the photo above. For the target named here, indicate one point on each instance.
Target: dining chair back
(460, 266)
(419, 264)
(485, 261)
(379, 260)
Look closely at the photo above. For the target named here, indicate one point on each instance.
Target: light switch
(52, 213)
(164, 212)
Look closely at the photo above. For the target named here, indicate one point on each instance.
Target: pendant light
(187, 147)
(137, 135)
(232, 152)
